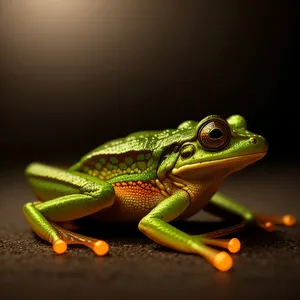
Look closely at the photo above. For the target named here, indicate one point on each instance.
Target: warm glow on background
(70, 68)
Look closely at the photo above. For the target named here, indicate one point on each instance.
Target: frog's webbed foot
(221, 260)
(68, 237)
(233, 245)
(268, 222)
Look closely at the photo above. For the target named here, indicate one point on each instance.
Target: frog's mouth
(223, 167)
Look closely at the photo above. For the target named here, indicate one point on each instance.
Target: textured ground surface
(267, 266)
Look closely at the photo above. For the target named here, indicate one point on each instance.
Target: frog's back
(134, 157)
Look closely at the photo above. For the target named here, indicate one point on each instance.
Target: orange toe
(223, 261)
(289, 220)
(234, 245)
(60, 246)
(100, 248)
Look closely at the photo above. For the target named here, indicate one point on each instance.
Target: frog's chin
(217, 168)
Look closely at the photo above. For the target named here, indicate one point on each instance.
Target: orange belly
(133, 201)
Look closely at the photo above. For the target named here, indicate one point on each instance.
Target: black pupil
(215, 133)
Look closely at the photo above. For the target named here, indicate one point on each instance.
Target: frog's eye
(214, 135)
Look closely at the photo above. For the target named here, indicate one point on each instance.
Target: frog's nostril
(253, 140)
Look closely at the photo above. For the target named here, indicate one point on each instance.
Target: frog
(154, 179)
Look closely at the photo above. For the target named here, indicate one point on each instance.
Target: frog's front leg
(224, 207)
(155, 225)
(68, 196)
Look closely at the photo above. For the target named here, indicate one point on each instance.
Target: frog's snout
(259, 143)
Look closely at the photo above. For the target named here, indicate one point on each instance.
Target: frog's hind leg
(68, 196)
(224, 207)
(71, 225)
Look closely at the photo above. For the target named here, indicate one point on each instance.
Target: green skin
(184, 175)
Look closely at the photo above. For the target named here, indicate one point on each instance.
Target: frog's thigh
(78, 194)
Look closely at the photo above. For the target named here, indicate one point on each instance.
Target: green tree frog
(152, 178)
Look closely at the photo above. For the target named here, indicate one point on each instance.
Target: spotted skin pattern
(107, 167)
(134, 198)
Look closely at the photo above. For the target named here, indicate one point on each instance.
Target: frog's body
(130, 164)
(151, 177)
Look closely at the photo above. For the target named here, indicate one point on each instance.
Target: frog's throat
(236, 162)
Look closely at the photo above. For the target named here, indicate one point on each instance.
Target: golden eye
(214, 135)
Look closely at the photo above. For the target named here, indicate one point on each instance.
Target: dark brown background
(76, 73)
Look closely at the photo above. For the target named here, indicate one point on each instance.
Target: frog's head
(218, 148)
